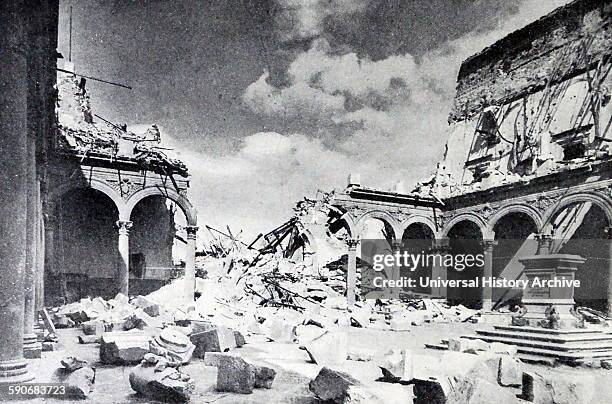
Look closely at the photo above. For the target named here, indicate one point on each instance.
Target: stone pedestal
(537, 300)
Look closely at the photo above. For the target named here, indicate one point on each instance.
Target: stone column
(13, 190)
(439, 270)
(50, 224)
(40, 277)
(351, 271)
(190, 264)
(396, 246)
(31, 346)
(608, 237)
(487, 292)
(123, 271)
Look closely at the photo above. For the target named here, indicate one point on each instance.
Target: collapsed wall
(533, 103)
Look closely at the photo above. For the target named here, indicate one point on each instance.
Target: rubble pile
(80, 134)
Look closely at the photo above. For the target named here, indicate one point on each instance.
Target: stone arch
(98, 185)
(380, 215)
(419, 219)
(515, 208)
(603, 202)
(351, 225)
(186, 206)
(470, 217)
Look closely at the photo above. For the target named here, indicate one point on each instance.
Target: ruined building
(74, 189)
(109, 226)
(527, 158)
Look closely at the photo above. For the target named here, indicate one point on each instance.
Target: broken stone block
(93, 327)
(329, 349)
(123, 347)
(339, 387)
(432, 391)
(119, 300)
(360, 317)
(477, 390)
(361, 355)
(133, 321)
(467, 345)
(392, 366)
(64, 322)
(534, 389)
(152, 310)
(49, 346)
(216, 339)
(167, 385)
(510, 372)
(264, 376)
(606, 364)
(234, 374)
(239, 338)
(279, 330)
(88, 339)
(79, 383)
(174, 346)
(71, 363)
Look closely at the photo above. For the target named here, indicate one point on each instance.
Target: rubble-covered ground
(279, 331)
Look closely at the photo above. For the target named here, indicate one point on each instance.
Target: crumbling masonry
(527, 158)
(72, 184)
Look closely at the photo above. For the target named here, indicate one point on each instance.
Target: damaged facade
(527, 158)
(73, 184)
(108, 195)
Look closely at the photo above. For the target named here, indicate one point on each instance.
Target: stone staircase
(571, 346)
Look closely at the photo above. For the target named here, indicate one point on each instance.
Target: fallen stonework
(123, 348)
(236, 375)
(166, 384)
(338, 387)
(78, 378)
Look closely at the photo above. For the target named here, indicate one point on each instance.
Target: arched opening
(85, 246)
(580, 228)
(417, 240)
(515, 233)
(157, 243)
(380, 236)
(465, 239)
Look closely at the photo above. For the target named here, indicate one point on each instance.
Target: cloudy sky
(268, 101)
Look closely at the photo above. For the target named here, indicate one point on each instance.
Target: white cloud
(401, 105)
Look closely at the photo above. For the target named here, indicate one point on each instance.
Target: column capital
(124, 226)
(488, 244)
(608, 232)
(352, 243)
(396, 245)
(191, 231)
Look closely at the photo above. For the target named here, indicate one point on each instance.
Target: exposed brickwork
(524, 61)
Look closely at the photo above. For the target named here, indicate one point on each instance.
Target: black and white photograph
(306, 201)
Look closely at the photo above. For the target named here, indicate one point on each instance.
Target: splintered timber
(485, 282)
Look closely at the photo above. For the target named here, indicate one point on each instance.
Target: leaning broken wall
(527, 104)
